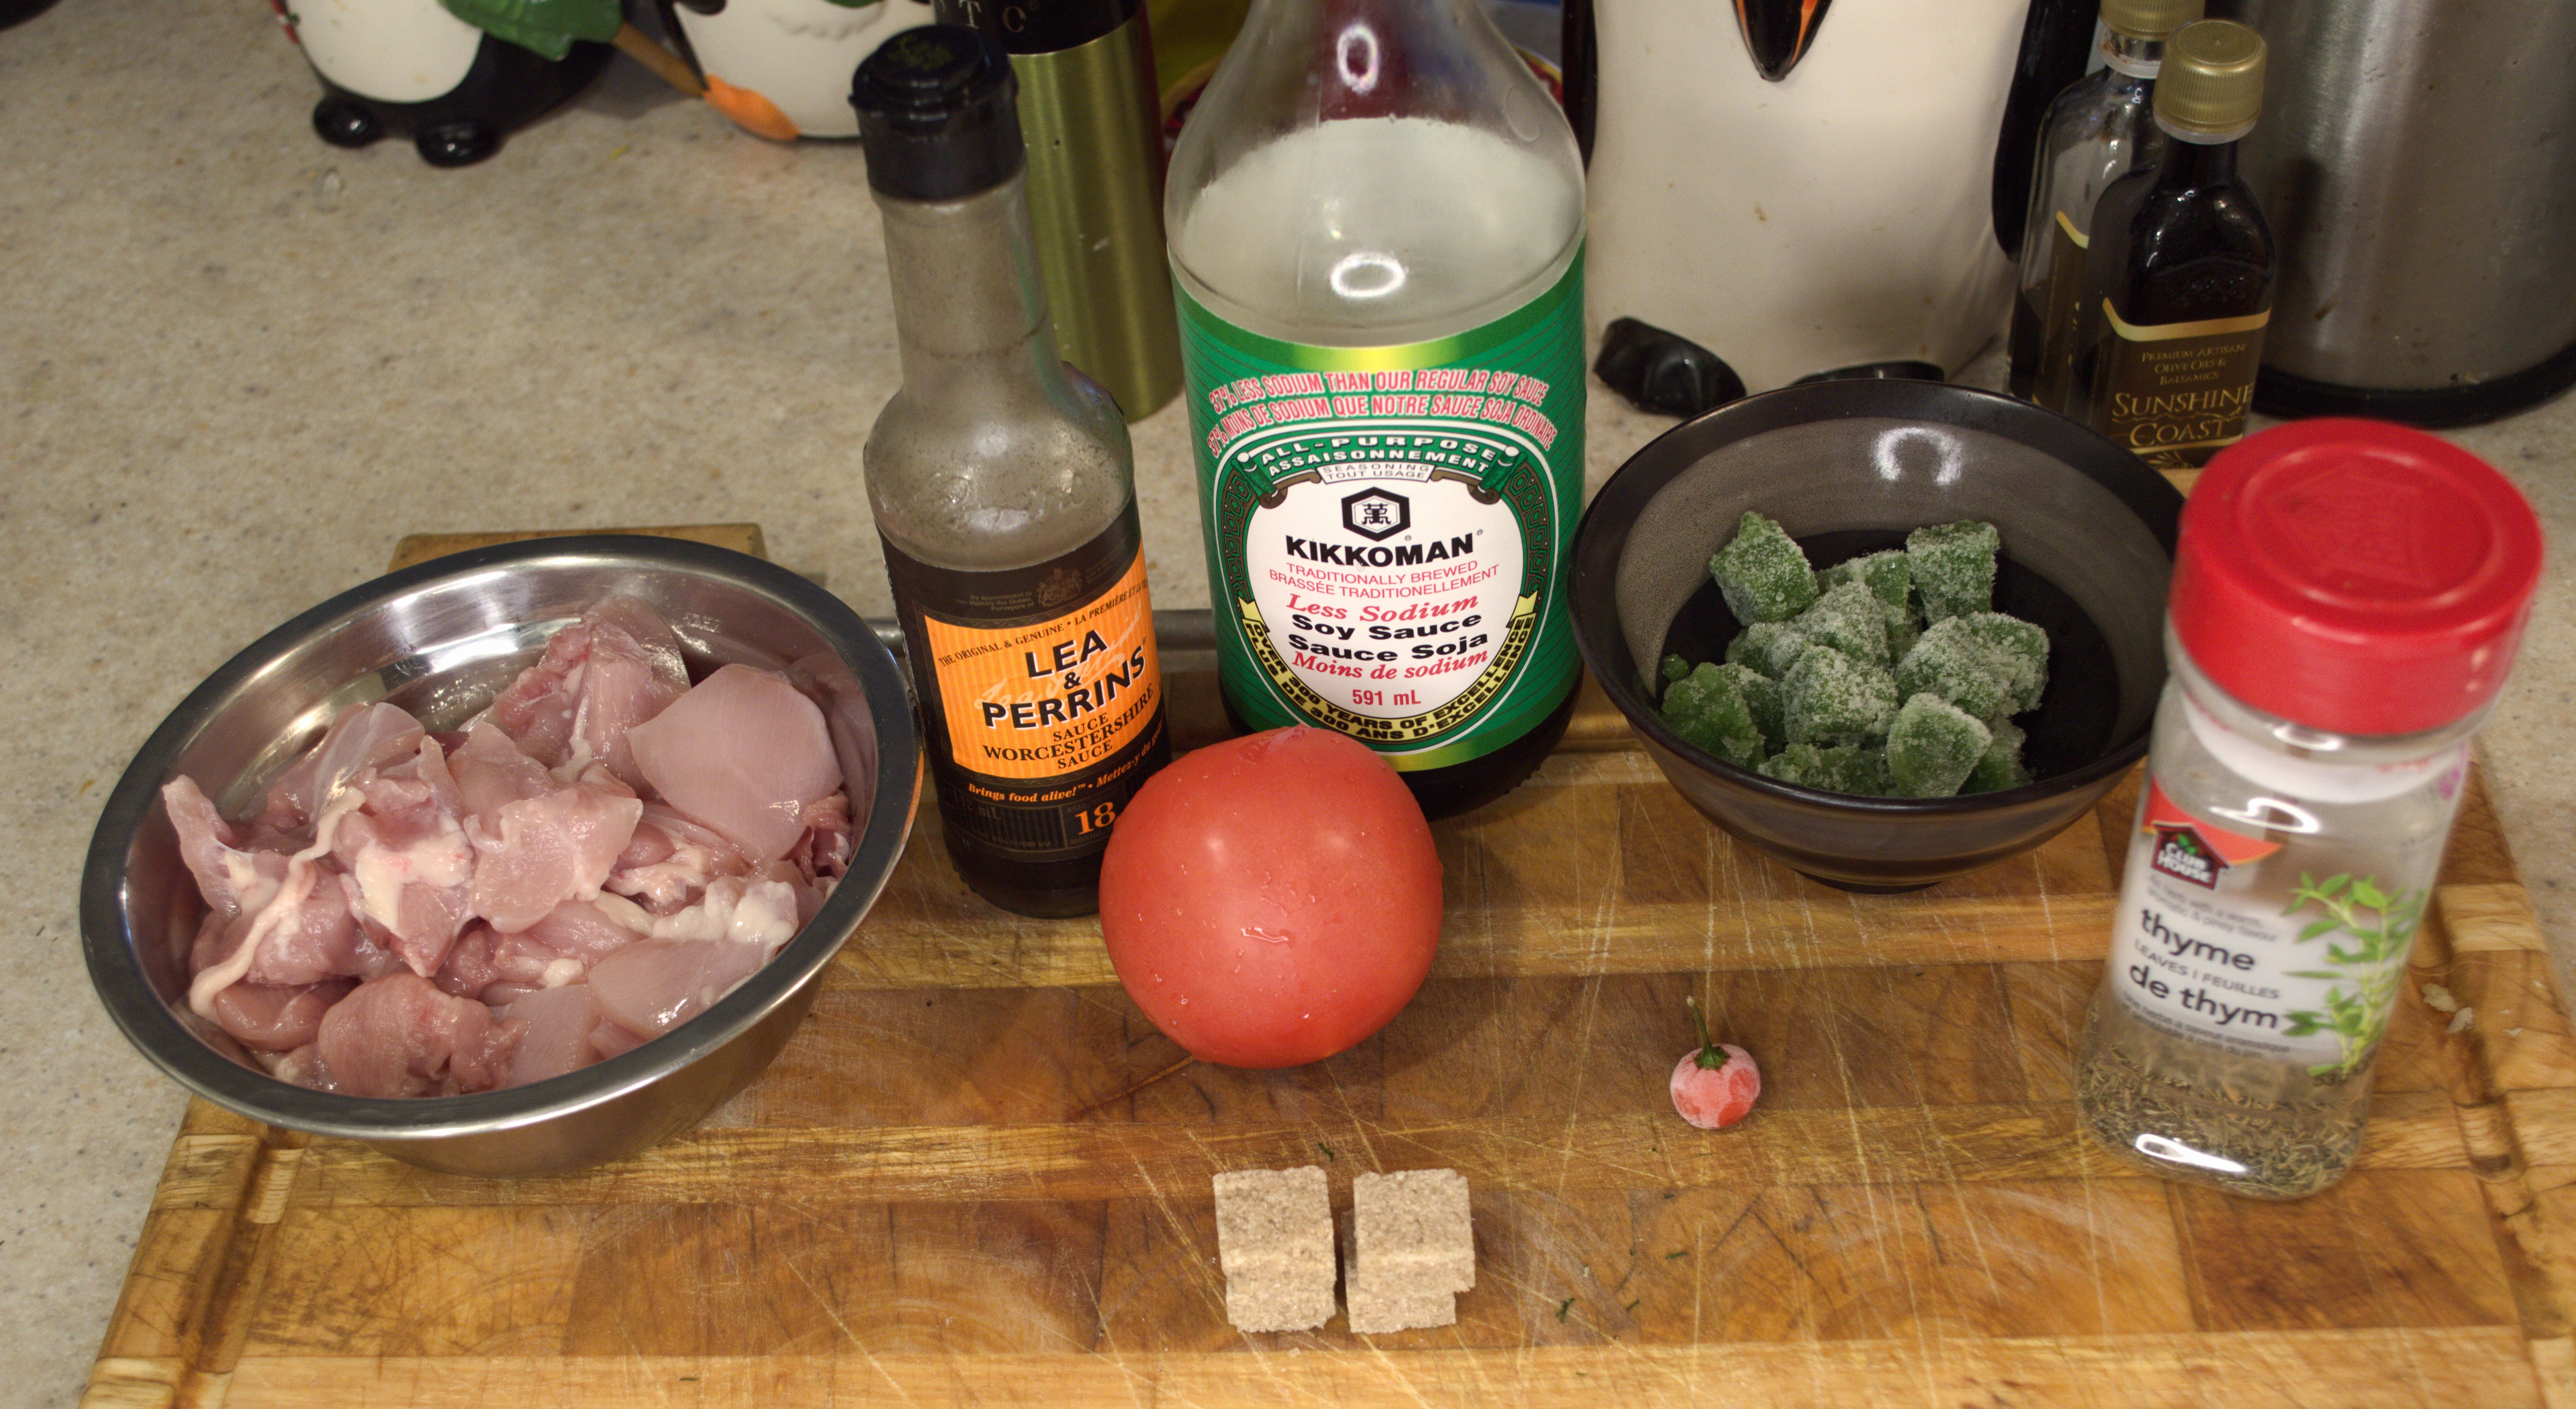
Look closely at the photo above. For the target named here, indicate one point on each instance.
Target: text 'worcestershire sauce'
(1376, 221)
(1004, 494)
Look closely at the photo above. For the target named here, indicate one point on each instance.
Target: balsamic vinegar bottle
(2097, 131)
(2178, 282)
(1004, 495)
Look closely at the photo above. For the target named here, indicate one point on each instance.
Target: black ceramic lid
(937, 114)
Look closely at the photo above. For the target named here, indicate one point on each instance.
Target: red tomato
(1271, 900)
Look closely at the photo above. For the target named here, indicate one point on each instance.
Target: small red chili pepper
(1715, 1084)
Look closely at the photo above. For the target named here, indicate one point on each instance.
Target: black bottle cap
(938, 114)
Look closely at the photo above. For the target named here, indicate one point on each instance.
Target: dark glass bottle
(2178, 283)
(2100, 129)
(2056, 38)
(1004, 494)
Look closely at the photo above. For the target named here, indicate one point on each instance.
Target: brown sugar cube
(1373, 1315)
(1413, 1231)
(1274, 1241)
(1376, 1310)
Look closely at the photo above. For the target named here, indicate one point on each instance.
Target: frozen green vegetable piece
(1767, 648)
(1707, 708)
(1952, 662)
(1885, 574)
(2000, 766)
(1846, 768)
(1675, 668)
(1933, 746)
(1794, 764)
(1859, 769)
(1762, 573)
(1762, 694)
(1901, 636)
(2018, 652)
(1953, 565)
(1829, 698)
(1891, 581)
(1850, 620)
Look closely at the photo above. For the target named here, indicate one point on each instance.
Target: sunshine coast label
(2177, 393)
(2258, 960)
(1040, 690)
(1386, 526)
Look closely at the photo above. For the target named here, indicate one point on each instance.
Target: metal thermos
(1092, 116)
(2417, 160)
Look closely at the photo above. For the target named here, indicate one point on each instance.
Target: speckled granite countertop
(236, 365)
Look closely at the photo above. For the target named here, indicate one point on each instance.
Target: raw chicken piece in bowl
(444, 642)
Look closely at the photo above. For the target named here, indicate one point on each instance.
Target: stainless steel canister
(1093, 119)
(2417, 159)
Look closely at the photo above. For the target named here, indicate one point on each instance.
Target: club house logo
(2181, 854)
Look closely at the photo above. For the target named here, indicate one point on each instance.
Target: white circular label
(1388, 588)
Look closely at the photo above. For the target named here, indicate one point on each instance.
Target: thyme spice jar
(2347, 599)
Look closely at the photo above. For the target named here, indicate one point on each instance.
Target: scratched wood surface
(974, 1176)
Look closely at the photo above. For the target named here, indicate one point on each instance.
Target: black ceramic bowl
(1847, 468)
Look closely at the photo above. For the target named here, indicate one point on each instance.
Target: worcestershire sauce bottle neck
(939, 122)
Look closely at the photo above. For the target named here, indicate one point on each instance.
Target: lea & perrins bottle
(1376, 228)
(2178, 280)
(1004, 493)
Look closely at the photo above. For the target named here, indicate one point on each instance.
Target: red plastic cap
(2355, 577)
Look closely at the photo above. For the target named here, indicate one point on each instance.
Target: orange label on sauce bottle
(1054, 697)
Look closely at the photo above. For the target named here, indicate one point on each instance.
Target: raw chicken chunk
(400, 1036)
(599, 856)
(409, 866)
(363, 737)
(559, 1024)
(654, 985)
(277, 1019)
(601, 676)
(744, 753)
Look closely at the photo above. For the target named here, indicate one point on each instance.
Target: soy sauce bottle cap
(938, 114)
(2149, 19)
(2212, 85)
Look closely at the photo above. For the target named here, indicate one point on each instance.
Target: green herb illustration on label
(2357, 1016)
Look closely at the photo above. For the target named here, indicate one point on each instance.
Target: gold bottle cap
(2212, 84)
(2149, 19)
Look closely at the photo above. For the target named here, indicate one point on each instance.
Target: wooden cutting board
(977, 1175)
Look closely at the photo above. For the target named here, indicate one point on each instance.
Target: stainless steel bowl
(440, 640)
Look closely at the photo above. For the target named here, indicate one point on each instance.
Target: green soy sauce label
(1387, 526)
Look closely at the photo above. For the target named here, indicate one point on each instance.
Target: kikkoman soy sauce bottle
(1376, 226)
(1004, 495)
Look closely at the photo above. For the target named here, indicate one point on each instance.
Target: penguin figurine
(781, 68)
(410, 67)
(1799, 187)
